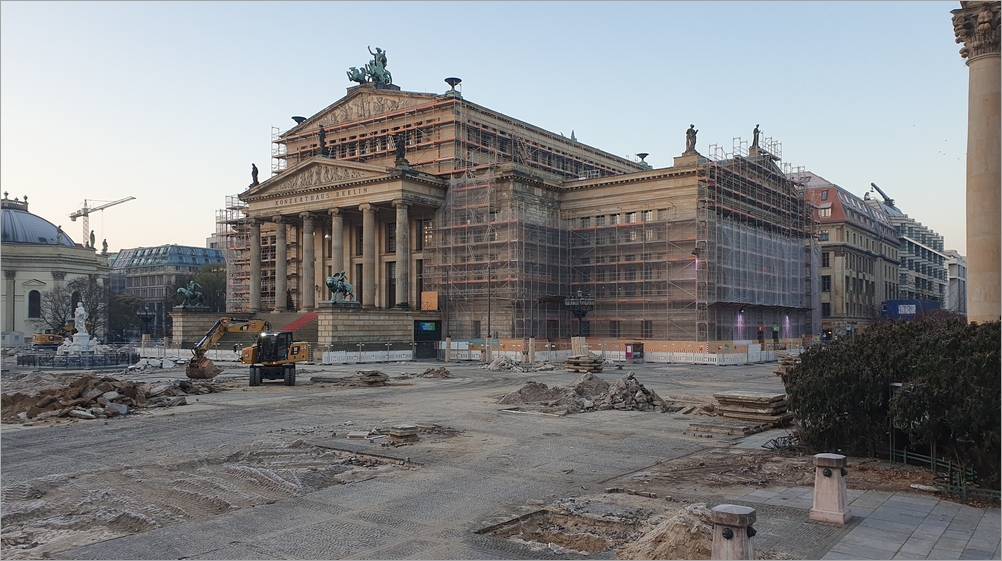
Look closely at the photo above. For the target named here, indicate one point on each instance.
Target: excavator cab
(274, 356)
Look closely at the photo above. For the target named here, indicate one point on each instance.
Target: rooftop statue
(690, 139)
(374, 71)
(754, 142)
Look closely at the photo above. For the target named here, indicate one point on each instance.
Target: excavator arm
(200, 367)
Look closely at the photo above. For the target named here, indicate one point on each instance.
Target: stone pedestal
(830, 502)
(732, 532)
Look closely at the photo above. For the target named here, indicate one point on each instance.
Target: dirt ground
(58, 512)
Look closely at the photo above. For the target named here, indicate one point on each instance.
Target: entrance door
(426, 334)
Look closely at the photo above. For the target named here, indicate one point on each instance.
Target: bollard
(732, 532)
(448, 349)
(830, 502)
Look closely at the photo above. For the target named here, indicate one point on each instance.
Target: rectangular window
(476, 329)
(586, 222)
(391, 285)
(824, 195)
(825, 212)
(391, 237)
(825, 260)
(826, 283)
(600, 220)
(823, 235)
(425, 231)
(614, 329)
(648, 216)
(358, 240)
(631, 217)
(648, 329)
(826, 309)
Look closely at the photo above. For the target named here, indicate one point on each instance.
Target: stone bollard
(830, 503)
(732, 532)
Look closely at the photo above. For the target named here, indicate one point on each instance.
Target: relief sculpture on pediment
(360, 108)
(320, 175)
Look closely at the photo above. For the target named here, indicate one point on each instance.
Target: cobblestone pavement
(499, 466)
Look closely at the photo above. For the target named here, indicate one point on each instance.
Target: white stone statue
(80, 319)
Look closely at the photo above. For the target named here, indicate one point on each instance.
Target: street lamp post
(580, 305)
(145, 315)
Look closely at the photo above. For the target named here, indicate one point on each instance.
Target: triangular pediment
(33, 283)
(315, 173)
(363, 102)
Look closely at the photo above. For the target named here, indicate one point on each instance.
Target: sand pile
(686, 534)
(588, 393)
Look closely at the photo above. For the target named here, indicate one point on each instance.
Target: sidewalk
(893, 525)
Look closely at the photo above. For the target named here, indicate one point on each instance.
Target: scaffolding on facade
(755, 240)
(232, 235)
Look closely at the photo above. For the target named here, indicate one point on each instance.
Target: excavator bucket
(202, 369)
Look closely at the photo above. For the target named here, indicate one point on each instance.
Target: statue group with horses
(374, 71)
(192, 295)
(340, 289)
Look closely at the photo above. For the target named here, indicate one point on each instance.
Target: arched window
(74, 300)
(34, 304)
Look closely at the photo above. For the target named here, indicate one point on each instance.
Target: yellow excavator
(272, 356)
(200, 367)
(52, 338)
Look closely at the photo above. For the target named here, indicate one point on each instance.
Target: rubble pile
(588, 393)
(686, 534)
(368, 378)
(507, 364)
(440, 372)
(92, 397)
(162, 363)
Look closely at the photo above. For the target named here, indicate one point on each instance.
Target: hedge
(949, 396)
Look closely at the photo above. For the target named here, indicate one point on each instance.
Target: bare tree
(56, 308)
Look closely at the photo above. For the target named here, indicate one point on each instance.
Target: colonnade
(311, 255)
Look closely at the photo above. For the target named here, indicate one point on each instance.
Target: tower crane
(85, 213)
(887, 200)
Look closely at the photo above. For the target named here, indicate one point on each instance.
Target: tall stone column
(309, 258)
(403, 255)
(8, 312)
(255, 266)
(368, 255)
(281, 256)
(337, 240)
(976, 24)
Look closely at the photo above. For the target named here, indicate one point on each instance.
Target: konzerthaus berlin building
(429, 201)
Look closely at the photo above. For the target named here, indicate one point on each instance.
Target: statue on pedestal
(754, 142)
(690, 139)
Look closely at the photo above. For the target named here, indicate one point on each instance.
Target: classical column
(368, 255)
(281, 274)
(976, 24)
(337, 240)
(255, 266)
(403, 255)
(8, 314)
(309, 257)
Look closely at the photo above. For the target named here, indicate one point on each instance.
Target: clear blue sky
(170, 102)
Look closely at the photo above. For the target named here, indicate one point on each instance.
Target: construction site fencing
(360, 357)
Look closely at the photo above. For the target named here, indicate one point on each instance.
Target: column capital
(10, 274)
(366, 207)
(306, 214)
(976, 25)
(334, 212)
(278, 219)
(400, 203)
(58, 275)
